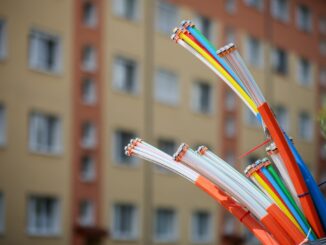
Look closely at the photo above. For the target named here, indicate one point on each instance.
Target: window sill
(133, 94)
(46, 154)
(124, 239)
(46, 236)
(46, 72)
(162, 241)
(134, 21)
(206, 241)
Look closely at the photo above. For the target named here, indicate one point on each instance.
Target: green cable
(279, 181)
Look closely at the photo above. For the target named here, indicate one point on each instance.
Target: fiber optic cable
(225, 75)
(145, 151)
(303, 224)
(316, 195)
(257, 206)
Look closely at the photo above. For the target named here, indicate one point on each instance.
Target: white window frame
(230, 127)
(304, 80)
(308, 133)
(164, 21)
(199, 22)
(165, 83)
(89, 58)
(134, 233)
(119, 9)
(277, 8)
(196, 95)
(194, 226)
(31, 217)
(259, 5)
(120, 76)
(306, 27)
(89, 91)
(36, 55)
(89, 135)
(254, 61)
(230, 101)
(38, 125)
(90, 175)
(283, 109)
(127, 161)
(276, 60)
(3, 125)
(87, 219)
(90, 20)
(230, 6)
(170, 238)
(3, 39)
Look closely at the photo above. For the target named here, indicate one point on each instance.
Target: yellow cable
(221, 70)
(279, 203)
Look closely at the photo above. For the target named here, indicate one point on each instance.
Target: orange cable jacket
(286, 223)
(292, 167)
(239, 212)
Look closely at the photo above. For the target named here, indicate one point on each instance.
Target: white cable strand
(210, 66)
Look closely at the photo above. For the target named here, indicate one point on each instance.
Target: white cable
(202, 59)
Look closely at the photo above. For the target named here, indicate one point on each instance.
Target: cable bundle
(279, 200)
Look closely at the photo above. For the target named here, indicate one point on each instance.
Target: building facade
(76, 86)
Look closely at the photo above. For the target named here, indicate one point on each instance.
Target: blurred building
(79, 78)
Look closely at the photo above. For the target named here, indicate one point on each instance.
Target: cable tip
(180, 152)
(202, 149)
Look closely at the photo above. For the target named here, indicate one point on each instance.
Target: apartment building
(76, 86)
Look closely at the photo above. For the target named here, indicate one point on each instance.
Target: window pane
(166, 88)
(167, 16)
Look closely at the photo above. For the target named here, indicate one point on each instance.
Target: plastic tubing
(188, 157)
(294, 212)
(316, 195)
(292, 168)
(225, 75)
(234, 59)
(152, 154)
(212, 50)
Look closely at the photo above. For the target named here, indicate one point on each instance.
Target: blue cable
(315, 193)
(211, 50)
(287, 202)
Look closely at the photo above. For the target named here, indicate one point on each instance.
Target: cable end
(180, 152)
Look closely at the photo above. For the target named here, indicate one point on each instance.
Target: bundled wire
(143, 150)
(227, 64)
(247, 195)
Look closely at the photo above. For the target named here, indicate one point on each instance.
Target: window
(89, 57)
(126, 9)
(122, 139)
(230, 101)
(305, 126)
(304, 71)
(322, 25)
(125, 222)
(167, 16)
(250, 118)
(87, 172)
(3, 39)
(44, 51)
(230, 6)
(125, 75)
(165, 225)
(322, 47)
(205, 25)
(280, 9)
(230, 127)
(169, 147)
(3, 125)
(304, 18)
(89, 14)
(166, 89)
(89, 91)
(258, 4)
(322, 76)
(282, 117)
(230, 35)
(201, 227)
(229, 224)
(280, 61)
(45, 133)
(201, 98)
(89, 135)
(86, 213)
(2, 213)
(254, 52)
(43, 216)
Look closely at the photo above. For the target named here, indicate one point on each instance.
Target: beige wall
(23, 90)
